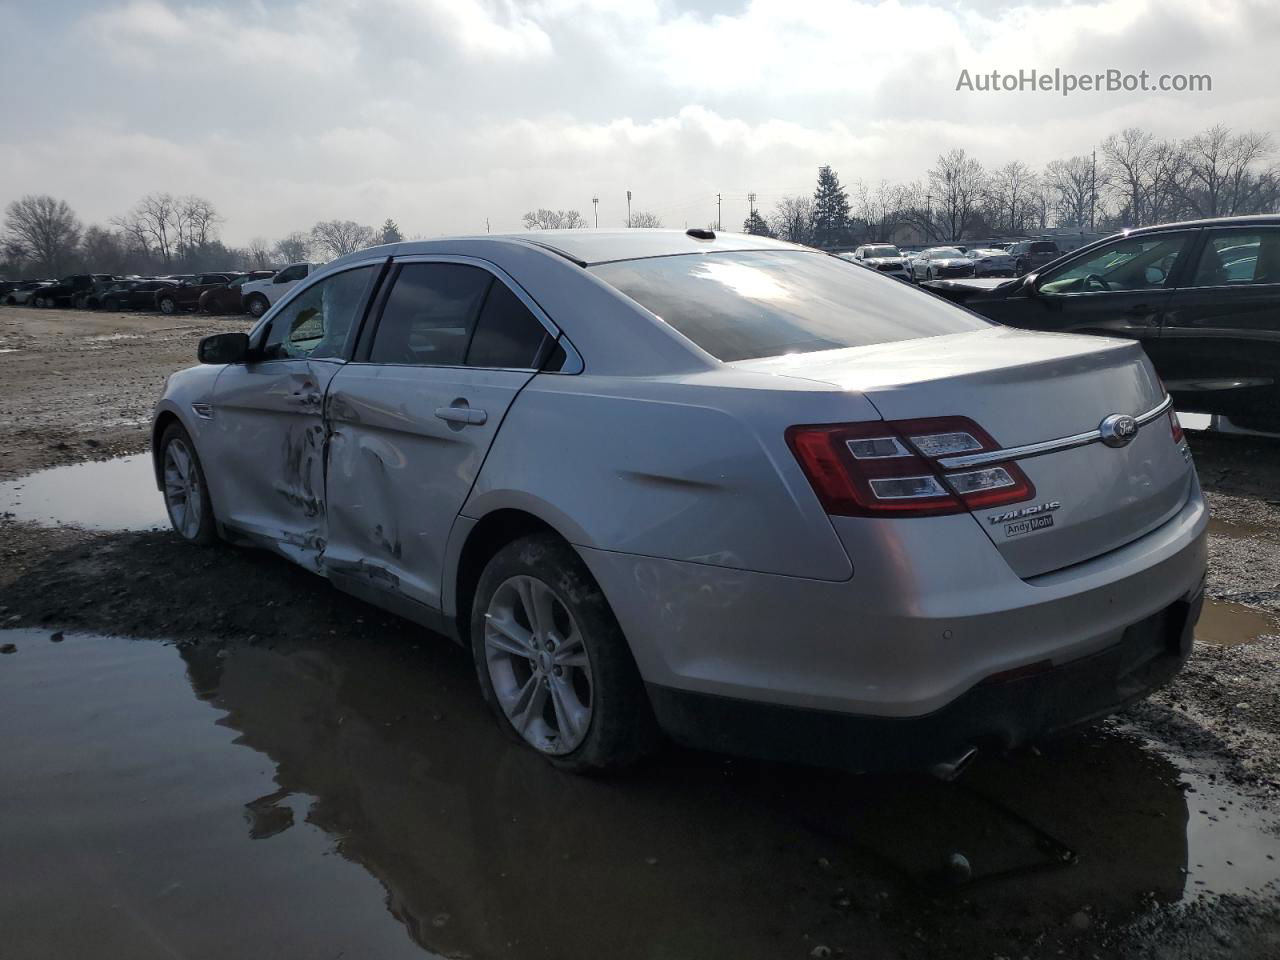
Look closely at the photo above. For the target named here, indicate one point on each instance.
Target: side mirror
(224, 348)
(1031, 284)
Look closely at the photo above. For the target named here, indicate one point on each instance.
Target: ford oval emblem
(1118, 429)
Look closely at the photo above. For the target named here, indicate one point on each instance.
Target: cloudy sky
(442, 113)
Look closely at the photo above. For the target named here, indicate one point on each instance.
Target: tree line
(161, 234)
(1132, 179)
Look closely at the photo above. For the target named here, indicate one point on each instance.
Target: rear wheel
(256, 304)
(552, 661)
(38, 302)
(167, 305)
(186, 495)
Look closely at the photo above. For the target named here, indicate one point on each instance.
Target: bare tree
(294, 247)
(792, 219)
(881, 207)
(642, 218)
(1220, 171)
(198, 220)
(151, 225)
(1014, 197)
(43, 231)
(1140, 170)
(340, 237)
(104, 250)
(259, 252)
(544, 219)
(958, 183)
(1074, 184)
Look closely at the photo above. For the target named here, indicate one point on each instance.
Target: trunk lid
(1027, 388)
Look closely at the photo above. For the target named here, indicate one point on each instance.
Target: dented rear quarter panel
(692, 468)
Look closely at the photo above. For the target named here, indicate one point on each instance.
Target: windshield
(750, 304)
(885, 251)
(937, 252)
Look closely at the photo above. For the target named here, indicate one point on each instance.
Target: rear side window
(429, 314)
(1235, 257)
(507, 334)
(749, 304)
(1044, 246)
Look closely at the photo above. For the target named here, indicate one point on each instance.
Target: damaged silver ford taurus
(721, 487)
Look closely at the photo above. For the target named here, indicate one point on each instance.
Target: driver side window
(316, 323)
(1132, 263)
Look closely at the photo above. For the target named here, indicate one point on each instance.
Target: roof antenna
(698, 233)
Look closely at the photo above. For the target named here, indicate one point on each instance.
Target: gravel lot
(1153, 835)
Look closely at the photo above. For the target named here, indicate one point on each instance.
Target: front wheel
(168, 305)
(552, 661)
(186, 495)
(256, 305)
(38, 302)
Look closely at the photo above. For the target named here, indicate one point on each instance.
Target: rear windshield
(749, 304)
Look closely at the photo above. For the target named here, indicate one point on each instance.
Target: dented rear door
(412, 419)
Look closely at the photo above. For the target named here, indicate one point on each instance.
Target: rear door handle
(462, 416)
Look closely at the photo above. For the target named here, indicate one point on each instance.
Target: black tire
(206, 532)
(38, 302)
(622, 728)
(256, 305)
(110, 304)
(167, 305)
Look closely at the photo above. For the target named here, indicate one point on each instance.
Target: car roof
(1257, 219)
(587, 247)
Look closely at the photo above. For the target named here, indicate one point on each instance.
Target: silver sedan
(718, 487)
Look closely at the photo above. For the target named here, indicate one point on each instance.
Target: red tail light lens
(891, 468)
(1175, 426)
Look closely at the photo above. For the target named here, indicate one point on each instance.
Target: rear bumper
(999, 713)
(930, 613)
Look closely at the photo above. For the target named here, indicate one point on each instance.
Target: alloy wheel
(538, 665)
(182, 489)
(167, 305)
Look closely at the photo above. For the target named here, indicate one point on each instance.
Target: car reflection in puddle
(140, 821)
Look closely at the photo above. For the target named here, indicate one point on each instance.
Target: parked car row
(938, 263)
(1203, 298)
(222, 291)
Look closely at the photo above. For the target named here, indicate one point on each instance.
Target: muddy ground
(280, 769)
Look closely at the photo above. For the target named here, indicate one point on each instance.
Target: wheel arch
(477, 545)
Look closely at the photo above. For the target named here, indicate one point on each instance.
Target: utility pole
(628, 209)
(717, 211)
(486, 224)
(751, 206)
(595, 203)
(1093, 194)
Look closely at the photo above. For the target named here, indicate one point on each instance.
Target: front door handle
(463, 416)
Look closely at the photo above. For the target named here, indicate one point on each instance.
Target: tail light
(1175, 426)
(891, 468)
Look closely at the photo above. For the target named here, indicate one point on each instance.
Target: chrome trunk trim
(1029, 450)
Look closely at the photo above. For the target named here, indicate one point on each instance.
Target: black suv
(1203, 297)
(1029, 255)
(62, 292)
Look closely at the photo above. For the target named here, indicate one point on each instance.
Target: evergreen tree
(755, 224)
(830, 210)
(389, 232)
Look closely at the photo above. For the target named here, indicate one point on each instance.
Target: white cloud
(444, 112)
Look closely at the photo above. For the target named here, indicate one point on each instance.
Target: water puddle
(117, 494)
(356, 799)
(1240, 530)
(1228, 624)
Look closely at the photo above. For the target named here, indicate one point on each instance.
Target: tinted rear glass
(1044, 246)
(749, 304)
